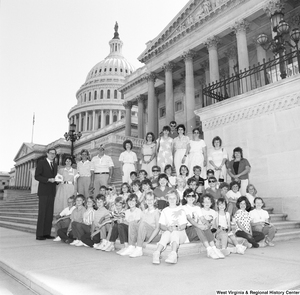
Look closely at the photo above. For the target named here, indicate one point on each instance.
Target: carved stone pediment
(24, 150)
(192, 16)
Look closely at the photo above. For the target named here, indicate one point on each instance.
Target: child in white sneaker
(117, 216)
(232, 195)
(172, 222)
(224, 234)
(260, 221)
(99, 227)
(63, 219)
(81, 228)
(196, 229)
(132, 215)
(146, 230)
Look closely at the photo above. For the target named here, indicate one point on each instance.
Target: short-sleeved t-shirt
(150, 216)
(173, 216)
(193, 211)
(133, 215)
(260, 215)
(209, 215)
(244, 218)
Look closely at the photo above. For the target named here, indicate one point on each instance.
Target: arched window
(101, 94)
(115, 94)
(107, 120)
(115, 118)
(108, 93)
(122, 115)
(95, 94)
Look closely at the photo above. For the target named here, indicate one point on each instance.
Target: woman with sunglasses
(213, 190)
(197, 152)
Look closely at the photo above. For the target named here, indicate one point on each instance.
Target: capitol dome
(99, 103)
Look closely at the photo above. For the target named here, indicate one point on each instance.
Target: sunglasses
(211, 181)
(110, 188)
(155, 170)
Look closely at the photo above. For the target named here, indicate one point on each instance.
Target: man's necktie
(52, 168)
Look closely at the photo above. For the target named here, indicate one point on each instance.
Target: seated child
(232, 195)
(142, 175)
(180, 187)
(172, 179)
(100, 226)
(133, 214)
(133, 176)
(63, 219)
(224, 233)
(154, 179)
(161, 191)
(251, 194)
(136, 189)
(172, 222)
(145, 230)
(200, 223)
(260, 221)
(125, 191)
(66, 234)
(116, 217)
(199, 180)
(81, 228)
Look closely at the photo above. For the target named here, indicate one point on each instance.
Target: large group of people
(173, 192)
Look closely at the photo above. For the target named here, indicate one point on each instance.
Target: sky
(47, 48)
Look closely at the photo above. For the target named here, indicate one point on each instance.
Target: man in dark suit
(45, 173)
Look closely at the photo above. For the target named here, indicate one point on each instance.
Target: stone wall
(265, 123)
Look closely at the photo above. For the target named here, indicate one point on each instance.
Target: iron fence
(255, 77)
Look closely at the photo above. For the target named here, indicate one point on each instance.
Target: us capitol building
(230, 67)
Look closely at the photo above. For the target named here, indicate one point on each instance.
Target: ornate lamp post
(72, 136)
(278, 43)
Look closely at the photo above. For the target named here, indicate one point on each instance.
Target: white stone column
(231, 54)
(151, 97)
(240, 28)
(127, 106)
(169, 96)
(156, 114)
(119, 115)
(206, 78)
(110, 117)
(22, 175)
(189, 92)
(261, 56)
(80, 121)
(140, 100)
(212, 47)
(102, 119)
(85, 121)
(94, 120)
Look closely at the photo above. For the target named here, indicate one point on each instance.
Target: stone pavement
(49, 267)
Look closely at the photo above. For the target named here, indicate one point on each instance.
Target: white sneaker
(79, 244)
(138, 251)
(172, 258)
(218, 252)
(57, 239)
(126, 251)
(110, 248)
(74, 243)
(240, 249)
(106, 246)
(156, 257)
(95, 246)
(211, 253)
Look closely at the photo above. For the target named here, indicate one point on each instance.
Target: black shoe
(40, 238)
(49, 237)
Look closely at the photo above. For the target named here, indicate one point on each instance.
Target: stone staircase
(20, 209)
